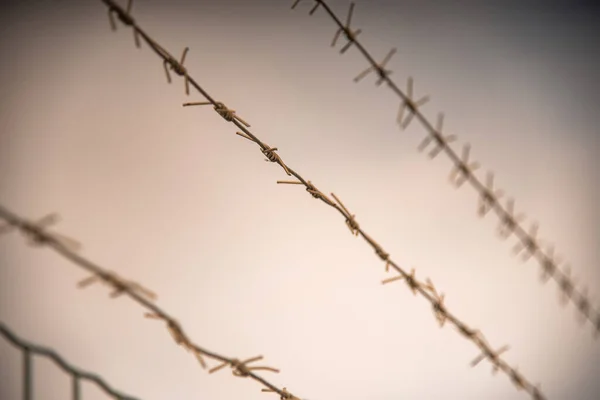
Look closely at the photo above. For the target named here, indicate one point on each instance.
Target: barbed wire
(38, 235)
(426, 290)
(528, 245)
(77, 375)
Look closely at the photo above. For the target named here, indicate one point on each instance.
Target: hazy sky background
(170, 197)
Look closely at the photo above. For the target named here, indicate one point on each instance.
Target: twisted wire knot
(384, 257)
(175, 65)
(226, 113)
(179, 336)
(310, 188)
(223, 111)
(284, 395)
(487, 352)
(352, 224)
(269, 152)
(412, 282)
(169, 62)
(124, 17)
(317, 194)
(241, 368)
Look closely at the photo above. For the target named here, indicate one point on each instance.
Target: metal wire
(40, 236)
(29, 349)
(425, 290)
(528, 245)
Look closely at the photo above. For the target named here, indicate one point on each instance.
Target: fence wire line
(37, 235)
(425, 289)
(77, 374)
(528, 245)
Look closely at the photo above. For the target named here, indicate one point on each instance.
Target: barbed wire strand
(529, 246)
(77, 375)
(425, 290)
(38, 235)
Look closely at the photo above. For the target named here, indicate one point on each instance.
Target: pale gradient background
(171, 197)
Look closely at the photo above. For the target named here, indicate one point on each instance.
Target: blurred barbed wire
(37, 234)
(77, 375)
(528, 244)
(425, 289)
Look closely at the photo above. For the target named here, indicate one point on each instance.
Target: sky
(170, 197)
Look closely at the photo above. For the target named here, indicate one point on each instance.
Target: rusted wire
(120, 286)
(425, 290)
(463, 171)
(77, 375)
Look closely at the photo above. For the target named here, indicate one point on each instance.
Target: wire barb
(241, 368)
(37, 235)
(310, 188)
(126, 18)
(529, 243)
(269, 152)
(379, 69)
(410, 279)
(439, 310)
(383, 255)
(492, 356)
(348, 33)
(178, 336)
(463, 171)
(489, 197)
(549, 264)
(119, 285)
(227, 114)
(285, 395)
(440, 141)
(508, 220)
(412, 106)
(171, 63)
